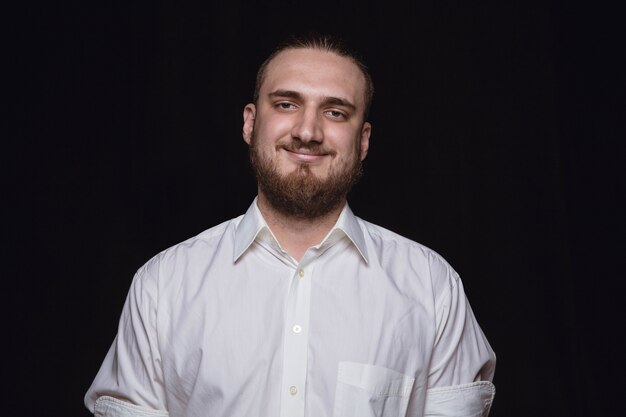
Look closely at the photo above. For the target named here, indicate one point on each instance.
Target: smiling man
(298, 307)
(307, 138)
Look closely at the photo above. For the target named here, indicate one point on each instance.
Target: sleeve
(463, 363)
(130, 380)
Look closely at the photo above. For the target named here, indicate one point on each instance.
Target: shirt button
(301, 273)
(293, 390)
(296, 329)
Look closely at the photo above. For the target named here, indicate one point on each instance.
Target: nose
(308, 127)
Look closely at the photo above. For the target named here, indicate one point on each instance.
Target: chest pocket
(371, 391)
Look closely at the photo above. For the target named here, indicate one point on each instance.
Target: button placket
(296, 343)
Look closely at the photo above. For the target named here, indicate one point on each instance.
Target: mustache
(296, 145)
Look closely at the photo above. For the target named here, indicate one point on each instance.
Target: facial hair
(301, 194)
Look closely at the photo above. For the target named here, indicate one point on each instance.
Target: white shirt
(227, 324)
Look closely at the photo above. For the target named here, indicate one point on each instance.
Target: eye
(336, 114)
(285, 105)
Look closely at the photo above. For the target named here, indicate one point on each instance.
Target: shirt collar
(253, 223)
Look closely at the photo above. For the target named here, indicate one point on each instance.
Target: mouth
(304, 155)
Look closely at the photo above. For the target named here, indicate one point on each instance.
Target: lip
(304, 156)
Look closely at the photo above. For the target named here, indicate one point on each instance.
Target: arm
(463, 364)
(130, 380)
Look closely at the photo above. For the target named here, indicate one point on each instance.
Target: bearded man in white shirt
(299, 308)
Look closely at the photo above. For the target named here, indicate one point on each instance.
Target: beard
(301, 194)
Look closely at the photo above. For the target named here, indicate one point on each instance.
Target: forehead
(316, 72)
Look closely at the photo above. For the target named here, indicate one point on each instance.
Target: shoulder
(392, 250)
(189, 253)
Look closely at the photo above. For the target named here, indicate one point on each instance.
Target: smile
(305, 155)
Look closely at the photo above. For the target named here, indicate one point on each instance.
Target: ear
(366, 131)
(249, 114)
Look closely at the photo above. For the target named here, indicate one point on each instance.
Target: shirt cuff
(112, 407)
(467, 400)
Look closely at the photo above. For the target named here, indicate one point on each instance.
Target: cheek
(270, 134)
(349, 145)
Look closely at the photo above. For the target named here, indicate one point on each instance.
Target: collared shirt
(227, 324)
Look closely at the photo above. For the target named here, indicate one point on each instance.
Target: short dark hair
(323, 43)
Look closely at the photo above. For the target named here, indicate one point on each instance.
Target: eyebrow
(326, 100)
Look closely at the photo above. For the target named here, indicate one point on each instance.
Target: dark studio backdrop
(497, 141)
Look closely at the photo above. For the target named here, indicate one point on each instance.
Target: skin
(308, 97)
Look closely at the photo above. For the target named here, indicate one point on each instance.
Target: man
(298, 308)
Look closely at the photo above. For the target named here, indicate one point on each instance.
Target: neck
(296, 234)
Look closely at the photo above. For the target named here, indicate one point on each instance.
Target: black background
(497, 141)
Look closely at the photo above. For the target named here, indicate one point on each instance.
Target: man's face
(306, 132)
